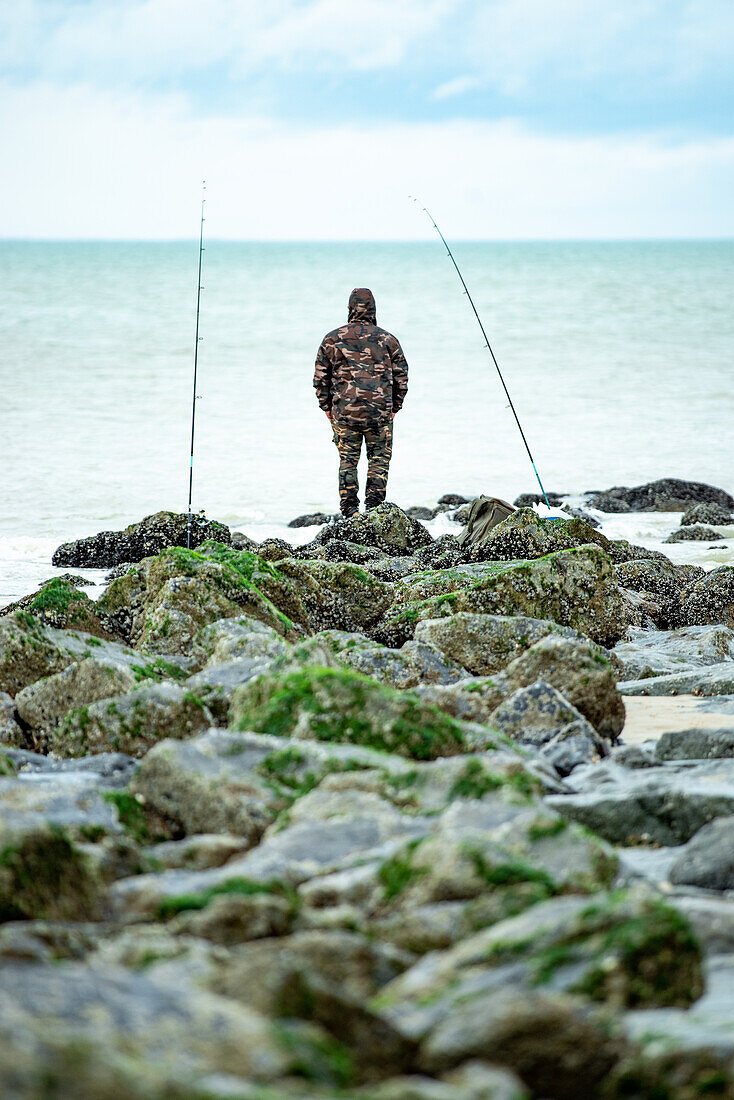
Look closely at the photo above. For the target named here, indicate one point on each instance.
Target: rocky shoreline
(359, 818)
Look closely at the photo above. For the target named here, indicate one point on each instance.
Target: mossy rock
(337, 595)
(164, 604)
(30, 650)
(525, 534)
(62, 605)
(622, 949)
(131, 723)
(574, 587)
(327, 704)
(44, 875)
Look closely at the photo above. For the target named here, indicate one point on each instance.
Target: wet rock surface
(348, 821)
(668, 494)
(139, 540)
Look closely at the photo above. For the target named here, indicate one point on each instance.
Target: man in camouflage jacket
(361, 380)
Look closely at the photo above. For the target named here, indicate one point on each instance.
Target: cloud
(84, 163)
(458, 86)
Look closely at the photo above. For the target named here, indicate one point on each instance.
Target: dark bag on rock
(484, 514)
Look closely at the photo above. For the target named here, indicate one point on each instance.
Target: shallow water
(618, 357)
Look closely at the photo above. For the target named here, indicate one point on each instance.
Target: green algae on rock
(132, 722)
(163, 603)
(574, 587)
(43, 874)
(343, 706)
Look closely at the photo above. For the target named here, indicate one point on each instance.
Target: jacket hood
(362, 306)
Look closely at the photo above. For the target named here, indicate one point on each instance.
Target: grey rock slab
(712, 919)
(664, 805)
(707, 1026)
(67, 799)
(113, 769)
(696, 744)
(649, 864)
(664, 652)
(296, 854)
(136, 1014)
(708, 858)
(237, 782)
(196, 853)
(715, 679)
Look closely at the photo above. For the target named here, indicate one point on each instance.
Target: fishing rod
(196, 363)
(487, 345)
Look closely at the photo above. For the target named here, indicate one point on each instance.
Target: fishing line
(487, 345)
(196, 363)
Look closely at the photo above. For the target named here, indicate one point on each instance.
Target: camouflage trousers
(378, 442)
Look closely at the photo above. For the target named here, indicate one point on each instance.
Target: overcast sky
(314, 119)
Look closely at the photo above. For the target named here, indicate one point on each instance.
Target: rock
(275, 550)
(666, 495)
(420, 513)
(30, 650)
(10, 731)
(342, 706)
(237, 783)
(711, 598)
(386, 528)
(312, 519)
(706, 513)
(337, 595)
(341, 550)
(215, 783)
(572, 587)
(579, 513)
(231, 639)
(694, 534)
(660, 582)
(527, 500)
(453, 500)
(99, 1013)
(236, 918)
(712, 921)
(326, 976)
(138, 541)
(474, 1080)
(658, 653)
(461, 515)
(524, 535)
(710, 680)
(44, 874)
(686, 1052)
(579, 671)
(484, 644)
(413, 664)
(163, 604)
(443, 553)
(44, 704)
(198, 852)
(540, 716)
(558, 1049)
(131, 723)
(695, 744)
(651, 805)
(708, 858)
(60, 604)
(239, 541)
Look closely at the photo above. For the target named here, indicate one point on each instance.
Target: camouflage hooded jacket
(361, 374)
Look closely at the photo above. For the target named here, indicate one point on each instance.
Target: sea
(618, 356)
